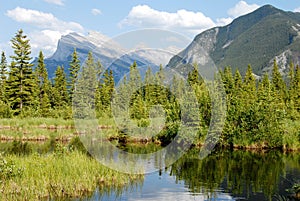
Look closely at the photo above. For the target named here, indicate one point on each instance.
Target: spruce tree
(44, 86)
(291, 93)
(3, 77)
(237, 80)
(296, 88)
(21, 81)
(228, 80)
(86, 89)
(149, 89)
(279, 87)
(60, 93)
(161, 90)
(106, 91)
(74, 69)
(267, 118)
(135, 90)
(249, 86)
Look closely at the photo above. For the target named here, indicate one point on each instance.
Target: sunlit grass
(71, 174)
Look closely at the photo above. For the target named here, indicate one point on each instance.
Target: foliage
(21, 86)
(261, 113)
(8, 169)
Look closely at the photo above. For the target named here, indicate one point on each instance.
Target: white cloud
(48, 31)
(224, 21)
(242, 8)
(182, 20)
(297, 10)
(57, 2)
(96, 11)
(41, 19)
(45, 39)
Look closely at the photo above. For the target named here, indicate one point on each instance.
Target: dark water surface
(223, 175)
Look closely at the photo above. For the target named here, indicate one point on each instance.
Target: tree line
(261, 112)
(27, 91)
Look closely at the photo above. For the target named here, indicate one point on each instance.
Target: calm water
(224, 175)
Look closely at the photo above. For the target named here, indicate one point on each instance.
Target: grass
(59, 175)
(31, 122)
(291, 137)
(40, 129)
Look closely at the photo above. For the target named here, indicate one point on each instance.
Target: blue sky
(44, 21)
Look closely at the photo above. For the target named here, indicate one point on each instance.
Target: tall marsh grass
(59, 175)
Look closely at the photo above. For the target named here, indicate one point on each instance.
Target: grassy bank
(42, 129)
(287, 136)
(57, 175)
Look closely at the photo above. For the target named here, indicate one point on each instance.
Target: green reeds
(66, 175)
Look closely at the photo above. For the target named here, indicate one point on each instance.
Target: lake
(223, 175)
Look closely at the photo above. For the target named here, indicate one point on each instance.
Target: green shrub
(8, 169)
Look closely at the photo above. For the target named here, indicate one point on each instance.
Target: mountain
(110, 53)
(256, 38)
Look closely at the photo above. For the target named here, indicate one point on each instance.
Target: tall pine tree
(21, 82)
(74, 69)
(44, 86)
(60, 93)
(3, 77)
(279, 87)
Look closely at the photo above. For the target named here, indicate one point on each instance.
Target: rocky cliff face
(256, 38)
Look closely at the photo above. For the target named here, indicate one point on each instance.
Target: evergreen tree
(193, 76)
(279, 87)
(291, 75)
(74, 69)
(60, 93)
(291, 92)
(267, 117)
(149, 88)
(86, 89)
(44, 86)
(161, 90)
(228, 80)
(106, 90)
(21, 82)
(3, 77)
(237, 80)
(296, 89)
(249, 87)
(135, 90)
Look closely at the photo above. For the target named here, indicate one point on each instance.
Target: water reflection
(240, 173)
(223, 175)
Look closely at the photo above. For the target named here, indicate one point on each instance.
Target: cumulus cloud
(297, 10)
(224, 21)
(242, 8)
(41, 19)
(57, 2)
(48, 28)
(96, 11)
(45, 38)
(145, 16)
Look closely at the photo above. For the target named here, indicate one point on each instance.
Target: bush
(9, 170)
(5, 110)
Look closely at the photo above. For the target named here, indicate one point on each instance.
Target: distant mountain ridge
(111, 54)
(102, 48)
(257, 38)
